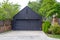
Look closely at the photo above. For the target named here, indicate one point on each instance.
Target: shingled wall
(5, 25)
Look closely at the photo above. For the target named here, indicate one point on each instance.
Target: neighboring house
(27, 19)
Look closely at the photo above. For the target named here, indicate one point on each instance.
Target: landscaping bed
(53, 36)
(52, 31)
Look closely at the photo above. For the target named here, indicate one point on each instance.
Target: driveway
(25, 35)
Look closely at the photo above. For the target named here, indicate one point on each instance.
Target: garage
(27, 19)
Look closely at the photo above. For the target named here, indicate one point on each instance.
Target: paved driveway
(25, 35)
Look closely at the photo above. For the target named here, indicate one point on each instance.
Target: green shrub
(45, 26)
(55, 29)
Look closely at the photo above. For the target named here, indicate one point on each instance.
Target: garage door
(27, 24)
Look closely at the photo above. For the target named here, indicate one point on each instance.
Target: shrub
(54, 29)
(45, 26)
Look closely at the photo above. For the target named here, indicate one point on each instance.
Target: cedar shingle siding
(1, 23)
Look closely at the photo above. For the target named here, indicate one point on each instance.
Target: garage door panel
(27, 25)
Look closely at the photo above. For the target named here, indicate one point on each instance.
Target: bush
(45, 26)
(54, 29)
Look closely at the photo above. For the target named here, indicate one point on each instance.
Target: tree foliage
(57, 9)
(34, 6)
(46, 8)
(8, 10)
(2, 14)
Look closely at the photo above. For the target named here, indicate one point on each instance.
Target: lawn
(54, 36)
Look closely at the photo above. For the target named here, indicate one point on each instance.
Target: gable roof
(27, 13)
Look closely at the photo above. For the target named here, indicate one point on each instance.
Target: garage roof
(27, 13)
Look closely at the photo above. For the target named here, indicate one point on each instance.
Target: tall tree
(8, 10)
(34, 6)
(57, 9)
(47, 7)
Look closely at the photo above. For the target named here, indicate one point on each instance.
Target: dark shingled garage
(27, 19)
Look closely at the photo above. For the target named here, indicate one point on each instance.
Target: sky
(23, 3)
(58, 0)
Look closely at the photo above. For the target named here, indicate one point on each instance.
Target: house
(27, 19)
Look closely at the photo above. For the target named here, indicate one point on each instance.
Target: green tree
(57, 9)
(47, 7)
(8, 10)
(2, 14)
(34, 6)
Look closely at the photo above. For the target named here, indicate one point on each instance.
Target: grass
(54, 36)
